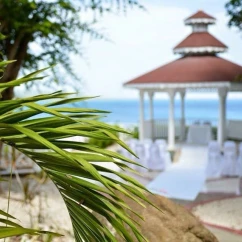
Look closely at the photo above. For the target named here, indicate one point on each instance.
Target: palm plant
(76, 168)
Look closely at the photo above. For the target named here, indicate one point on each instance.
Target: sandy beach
(47, 210)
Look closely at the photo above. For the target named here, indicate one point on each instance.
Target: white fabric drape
(214, 163)
(199, 134)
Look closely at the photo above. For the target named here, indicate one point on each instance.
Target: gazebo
(198, 68)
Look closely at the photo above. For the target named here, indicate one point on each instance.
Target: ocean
(127, 111)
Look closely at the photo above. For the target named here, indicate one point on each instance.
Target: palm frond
(76, 168)
(14, 229)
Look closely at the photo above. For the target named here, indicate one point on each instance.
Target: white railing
(160, 128)
(234, 129)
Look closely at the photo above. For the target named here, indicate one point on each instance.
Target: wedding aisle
(184, 179)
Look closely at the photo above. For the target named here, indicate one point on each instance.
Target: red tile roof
(192, 69)
(200, 14)
(200, 39)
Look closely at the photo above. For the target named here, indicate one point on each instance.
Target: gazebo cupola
(200, 41)
(200, 21)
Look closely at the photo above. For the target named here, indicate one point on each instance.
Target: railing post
(183, 122)
(151, 95)
(222, 115)
(142, 118)
(171, 128)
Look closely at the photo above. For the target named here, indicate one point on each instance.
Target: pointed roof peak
(201, 15)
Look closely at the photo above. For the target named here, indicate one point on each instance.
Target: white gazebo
(199, 68)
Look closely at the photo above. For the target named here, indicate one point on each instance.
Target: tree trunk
(13, 69)
(10, 74)
(8, 94)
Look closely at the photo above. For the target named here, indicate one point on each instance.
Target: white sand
(226, 212)
(224, 185)
(46, 212)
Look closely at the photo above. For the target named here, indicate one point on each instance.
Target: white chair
(141, 153)
(162, 145)
(163, 151)
(147, 141)
(147, 144)
(155, 160)
(230, 159)
(167, 157)
(239, 168)
(213, 146)
(215, 159)
(125, 153)
(132, 143)
(229, 146)
(128, 155)
(214, 164)
(161, 142)
(239, 161)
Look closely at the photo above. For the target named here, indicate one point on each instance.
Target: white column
(151, 95)
(142, 116)
(222, 115)
(171, 125)
(183, 122)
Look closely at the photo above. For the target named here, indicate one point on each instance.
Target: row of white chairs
(226, 163)
(152, 155)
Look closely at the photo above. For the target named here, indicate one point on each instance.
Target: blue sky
(143, 41)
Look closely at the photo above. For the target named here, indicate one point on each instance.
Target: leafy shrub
(135, 133)
(215, 132)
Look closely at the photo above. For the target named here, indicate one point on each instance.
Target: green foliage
(75, 167)
(215, 132)
(56, 28)
(9, 228)
(234, 10)
(172, 154)
(15, 229)
(104, 143)
(135, 133)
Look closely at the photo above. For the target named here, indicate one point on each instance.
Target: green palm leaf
(76, 168)
(18, 230)
(8, 228)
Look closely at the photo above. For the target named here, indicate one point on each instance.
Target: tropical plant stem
(10, 183)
